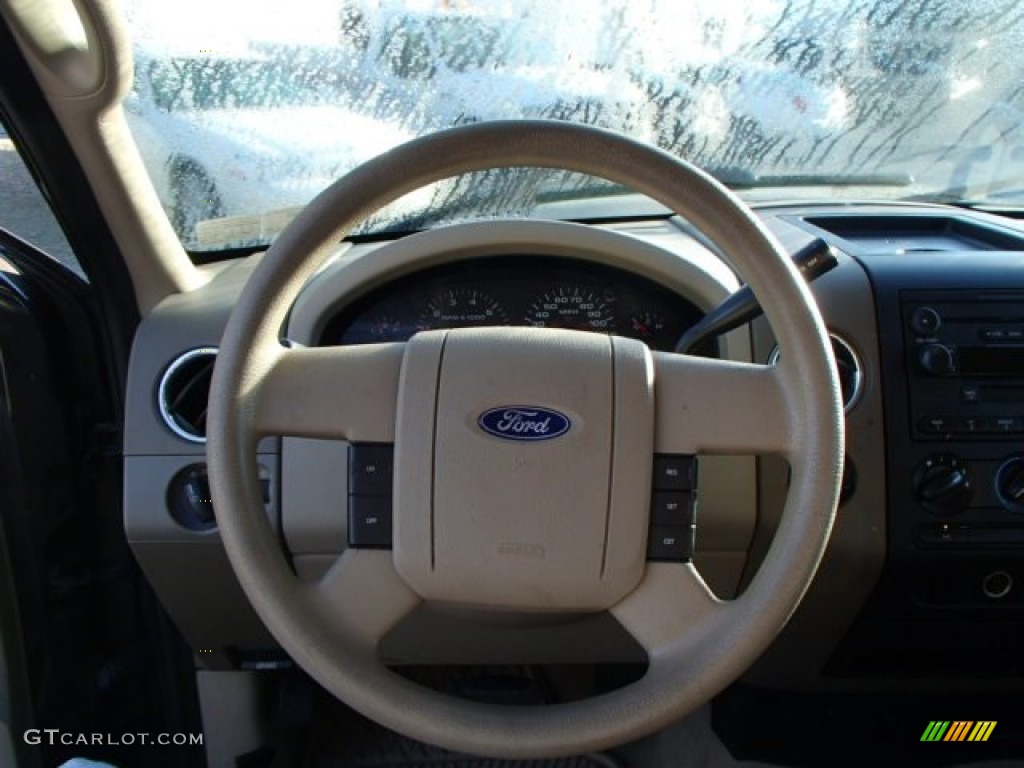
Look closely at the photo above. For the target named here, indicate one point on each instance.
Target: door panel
(95, 652)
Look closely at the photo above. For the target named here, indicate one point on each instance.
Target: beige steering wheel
(462, 498)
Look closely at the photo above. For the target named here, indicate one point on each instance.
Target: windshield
(244, 120)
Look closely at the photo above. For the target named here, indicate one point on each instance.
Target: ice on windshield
(243, 119)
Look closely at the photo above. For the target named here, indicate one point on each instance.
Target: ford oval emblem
(524, 422)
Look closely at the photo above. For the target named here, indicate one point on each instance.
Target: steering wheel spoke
(363, 592)
(719, 407)
(346, 393)
(670, 602)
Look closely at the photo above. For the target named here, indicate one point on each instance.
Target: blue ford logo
(524, 422)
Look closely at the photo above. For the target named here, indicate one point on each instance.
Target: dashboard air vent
(850, 370)
(184, 391)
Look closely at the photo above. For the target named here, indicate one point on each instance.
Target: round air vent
(184, 391)
(851, 372)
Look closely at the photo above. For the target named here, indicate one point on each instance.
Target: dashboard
(928, 543)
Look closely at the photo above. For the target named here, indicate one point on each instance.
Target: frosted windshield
(243, 118)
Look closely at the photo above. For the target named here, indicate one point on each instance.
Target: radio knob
(942, 485)
(1010, 484)
(925, 321)
(936, 359)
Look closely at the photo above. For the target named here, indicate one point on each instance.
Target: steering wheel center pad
(521, 516)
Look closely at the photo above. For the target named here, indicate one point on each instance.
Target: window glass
(23, 210)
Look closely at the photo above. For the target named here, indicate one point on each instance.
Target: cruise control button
(369, 522)
(675, 473)
(672, 508)
(370, 468)
(670, 543)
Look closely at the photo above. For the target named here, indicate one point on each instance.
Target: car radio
(966, 365)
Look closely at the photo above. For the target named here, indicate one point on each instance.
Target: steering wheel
(533, 526)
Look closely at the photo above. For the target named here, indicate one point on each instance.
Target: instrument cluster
(538, 291)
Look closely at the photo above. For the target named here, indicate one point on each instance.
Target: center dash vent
(184, 391)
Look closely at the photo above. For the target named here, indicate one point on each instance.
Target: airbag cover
(518, 505)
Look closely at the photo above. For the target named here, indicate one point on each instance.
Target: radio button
(937, 359)
(936, 425)
(1008, 425)
(1003, 425)
(970, 393)
(925, 321)
(969, 426)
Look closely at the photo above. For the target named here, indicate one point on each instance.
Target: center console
(949, 295)
(964, 355)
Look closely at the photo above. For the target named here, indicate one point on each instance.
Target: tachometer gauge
(571, 307)
(462, 308)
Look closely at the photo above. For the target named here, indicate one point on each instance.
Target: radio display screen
(991, 361)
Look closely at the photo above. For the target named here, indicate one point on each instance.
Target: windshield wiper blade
(985, 205)
(735, 178)
(1000, 195)
(598, 188)
(753, 181)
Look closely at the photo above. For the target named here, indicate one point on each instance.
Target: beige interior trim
(80, 53)
(233, 723)
(856, 554)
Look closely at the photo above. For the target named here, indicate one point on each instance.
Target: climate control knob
(936, 359)
(942, 485)
(1010, 484)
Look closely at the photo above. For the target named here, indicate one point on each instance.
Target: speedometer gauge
(571, 307)
(462, 308)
